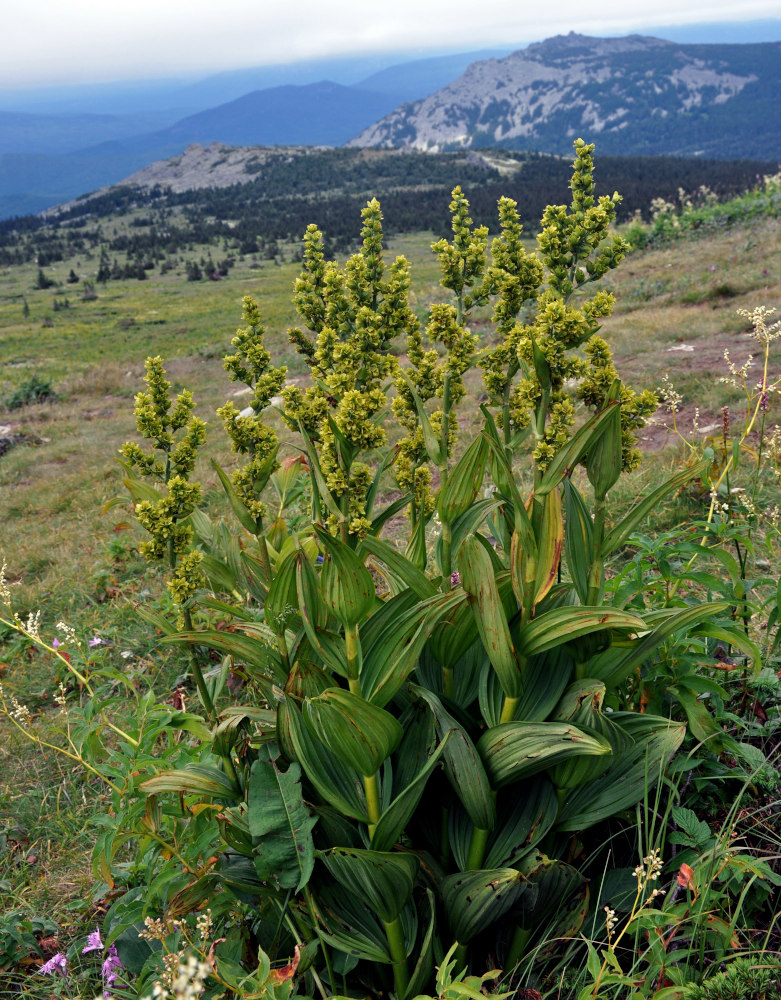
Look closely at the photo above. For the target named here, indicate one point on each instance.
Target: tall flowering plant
(429, 728)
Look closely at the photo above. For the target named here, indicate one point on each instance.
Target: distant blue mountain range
(59, 143)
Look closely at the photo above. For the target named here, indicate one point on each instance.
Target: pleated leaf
(604, 457)
(258, 655)
(394, 819)
(345, 583)
(522, 824)
(337, 784)
(282, 601)
(549, 542)
(560, 625)
(613, 670)
(463, 482)
(195, 779)
(473, 900)
(554, 883)
(632, 773)
(382, 880)
(276, 813)
(584, 438)
(400, 566)
(479, 582)
(515, 750)
(578, 539)
(314, 617)
(455, 630)
(463, 765)
(357, 732)
(619, 534)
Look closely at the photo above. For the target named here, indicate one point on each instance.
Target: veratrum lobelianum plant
(427, 730)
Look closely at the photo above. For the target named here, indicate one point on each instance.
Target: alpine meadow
(420, 639)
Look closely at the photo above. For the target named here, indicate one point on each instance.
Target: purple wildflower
(455, 578)
(764, 401)
(93, 942)
(55, 643)
(110, 966)
(57, 963)
(95, 641)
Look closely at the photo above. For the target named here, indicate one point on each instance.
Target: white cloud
(57, 41)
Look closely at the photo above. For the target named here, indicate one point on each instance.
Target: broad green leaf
(578, 542)
(522, 822)
(258, 656)
(350, 926)
(604, 457)
(634, 771)
(316, 471)
(471, 520)
(242, 514)
(567, 458)
(475, 899)
(282, 602)
(195, 779)
(381, 519)
(515, 750)
(416, 546)
(619, 534)
(560, 625)
(395, 655)
(463, 765)
(345, 584)
(382, 880)
(425, 963)
(357, 732)
(455, 630)
(431, 440)
(337, 784)
(314, 617)
(549, 543)
(479, 582)
(277, 815)
(141, 490)
(463, 482)
(504, 479)
(400, 566)
(394, 819)
(552, 882)
(612, 670)
(701, 723)
(733, 636)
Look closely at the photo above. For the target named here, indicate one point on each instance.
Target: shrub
(35, 389)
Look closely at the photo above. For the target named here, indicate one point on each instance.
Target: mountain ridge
(636, 93)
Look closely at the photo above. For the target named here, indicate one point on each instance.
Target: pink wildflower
(93, 942)
(57, 963)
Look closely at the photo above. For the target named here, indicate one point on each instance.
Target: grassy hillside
(73, 554)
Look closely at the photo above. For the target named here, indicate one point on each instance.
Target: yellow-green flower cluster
(575, 248)
(171, 461)
(187, 577)
(353, 315)
(159, 420)
(463, 260)
(635, 407)
(165, 519)
(251, 364)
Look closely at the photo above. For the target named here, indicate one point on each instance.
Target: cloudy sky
(73, 41)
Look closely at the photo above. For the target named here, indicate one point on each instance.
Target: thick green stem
(447, 555)
(265, 562)
(200, 680)
(395, 936)
(508, 709)
(596, 570)
(371, 785)
(517, 946)
(477, 846)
